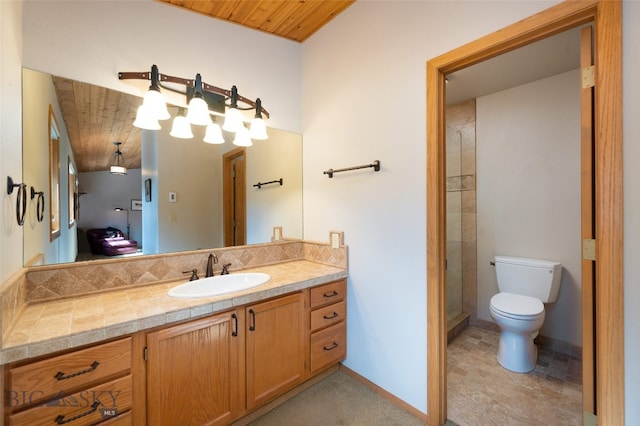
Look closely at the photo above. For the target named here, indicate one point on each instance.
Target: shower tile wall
(462, 118)
(454, 225)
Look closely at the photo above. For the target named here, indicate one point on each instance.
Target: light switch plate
(173, 197)
(336, 239)
(277, 233)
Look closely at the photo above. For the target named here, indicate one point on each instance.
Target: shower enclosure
(454, 223)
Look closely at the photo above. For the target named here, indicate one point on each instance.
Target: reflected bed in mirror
(177, 195)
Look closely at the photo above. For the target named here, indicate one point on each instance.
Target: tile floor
(482, 393)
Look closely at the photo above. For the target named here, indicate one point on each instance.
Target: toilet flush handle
(492, 263)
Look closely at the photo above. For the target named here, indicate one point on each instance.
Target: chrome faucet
(213, 259)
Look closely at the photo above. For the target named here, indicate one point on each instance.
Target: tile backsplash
(59, 281)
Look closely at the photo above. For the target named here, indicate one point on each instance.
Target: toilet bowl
(525, 285)
(519, 318)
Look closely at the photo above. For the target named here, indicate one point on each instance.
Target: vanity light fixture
(233, 117)
(258, 129)
(181, 128)
(198, 113)
(243, 137)
(118, 168)
(154, 100)
(199, 110)
(214, 134)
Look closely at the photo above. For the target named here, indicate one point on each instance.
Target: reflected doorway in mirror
(147, 190)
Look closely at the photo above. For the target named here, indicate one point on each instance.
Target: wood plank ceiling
(97, 117)
(293, 19)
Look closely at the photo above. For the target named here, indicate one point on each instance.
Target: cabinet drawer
(328, 315)
(328, 346)
(86, 407)
(69, 372)
(328, 293)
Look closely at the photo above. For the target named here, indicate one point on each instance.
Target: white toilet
(525, 284)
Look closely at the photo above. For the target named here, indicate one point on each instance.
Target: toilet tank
(529, 277)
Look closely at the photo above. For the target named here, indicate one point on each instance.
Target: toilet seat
(516, 306)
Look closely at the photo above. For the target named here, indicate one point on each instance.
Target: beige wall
(38, 95)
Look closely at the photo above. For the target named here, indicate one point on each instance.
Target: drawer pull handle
(234, 333)
(61, 420)
(61, 376)
(330, 348)
(252, 314)
(332, 294)
(328, 317)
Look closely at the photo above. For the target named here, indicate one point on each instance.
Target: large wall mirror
(170, 199)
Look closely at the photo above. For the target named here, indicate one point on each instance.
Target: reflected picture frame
(147, 190)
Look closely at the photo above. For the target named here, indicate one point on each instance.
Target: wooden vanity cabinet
(328, 337)
(275, 358)
(84, 387)
(195, 372)
(210, 371)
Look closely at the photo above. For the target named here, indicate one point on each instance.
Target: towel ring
(21, 200)
(39, 204)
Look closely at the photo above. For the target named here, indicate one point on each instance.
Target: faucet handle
(194, 274)
(225, 269)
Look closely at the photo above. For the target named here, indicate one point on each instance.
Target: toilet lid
(517, 304)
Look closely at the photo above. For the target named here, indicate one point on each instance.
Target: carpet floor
(338, 400)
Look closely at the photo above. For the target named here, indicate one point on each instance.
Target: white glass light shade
(118, 170)
(242, 137)
(198, 112)
(181, 128)
(145, 119)
(258, 130)
(214, 134)
(157, 105)
(232, 120)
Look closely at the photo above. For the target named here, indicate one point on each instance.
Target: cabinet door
(275, 347)
(193, 372)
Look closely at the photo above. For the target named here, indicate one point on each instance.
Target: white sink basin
(220, 284)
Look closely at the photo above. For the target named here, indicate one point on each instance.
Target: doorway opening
(609, 365)
(234, 197)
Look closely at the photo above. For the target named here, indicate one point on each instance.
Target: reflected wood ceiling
(293, 19)
(96, 117)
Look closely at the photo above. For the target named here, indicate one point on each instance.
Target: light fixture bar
(190, 83)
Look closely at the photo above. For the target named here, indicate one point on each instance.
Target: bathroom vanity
(196, 361)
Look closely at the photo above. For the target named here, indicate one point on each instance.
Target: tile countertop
(48, 327)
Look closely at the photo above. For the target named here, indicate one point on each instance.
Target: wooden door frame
(606, 16)
(228, 201)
